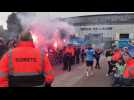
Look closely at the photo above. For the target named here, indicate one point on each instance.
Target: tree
(13, 25)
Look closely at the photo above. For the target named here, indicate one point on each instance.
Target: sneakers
(91, 74)
(107, 75)
(87, 74)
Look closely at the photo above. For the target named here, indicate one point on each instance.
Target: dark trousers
(97, 63)
(77, 59)
(67, 62)
(72, 60)
(109, 67)
(82, 58)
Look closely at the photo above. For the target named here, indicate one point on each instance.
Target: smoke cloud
(46, 30)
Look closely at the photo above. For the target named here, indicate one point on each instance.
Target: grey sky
(71, 14)
(3, 15)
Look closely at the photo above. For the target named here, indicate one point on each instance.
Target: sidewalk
(67, 79)
(77, 78)
(98, 80)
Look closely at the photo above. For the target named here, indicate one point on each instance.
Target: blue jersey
(90, 54)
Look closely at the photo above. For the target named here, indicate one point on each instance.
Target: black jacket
(3, 49)
(108, 53)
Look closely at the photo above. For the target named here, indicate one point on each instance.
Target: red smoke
(46, 30)
(40, 40)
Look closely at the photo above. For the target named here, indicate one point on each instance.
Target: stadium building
(104, 28)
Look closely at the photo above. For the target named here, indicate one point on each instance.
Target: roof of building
(126, 18)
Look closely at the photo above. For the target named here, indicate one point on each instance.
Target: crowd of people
(120, 62)
(72, 55)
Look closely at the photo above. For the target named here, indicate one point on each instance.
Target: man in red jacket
(129, 68)
(25, 66)
(128, 73)
(116, 55)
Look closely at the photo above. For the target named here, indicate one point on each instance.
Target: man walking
(89, 59)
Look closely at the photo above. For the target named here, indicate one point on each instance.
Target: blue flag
(131, 50)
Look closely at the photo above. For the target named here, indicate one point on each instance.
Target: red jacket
(129, 69)
(116, 55)
(70, 50)
(19, 60)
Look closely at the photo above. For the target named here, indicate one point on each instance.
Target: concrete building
(103, 28)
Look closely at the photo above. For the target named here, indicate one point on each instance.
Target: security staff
(67, 58)
(25, 66)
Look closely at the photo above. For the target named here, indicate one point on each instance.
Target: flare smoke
(46, 30)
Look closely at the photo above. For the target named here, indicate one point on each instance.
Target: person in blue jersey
(90, 59)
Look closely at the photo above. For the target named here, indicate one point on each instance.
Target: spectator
(108, 56)
(67, 58)
(11, 44)
(83, 55)
(125, 54)
(97, 57)
(2, 48)
(77, 55)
